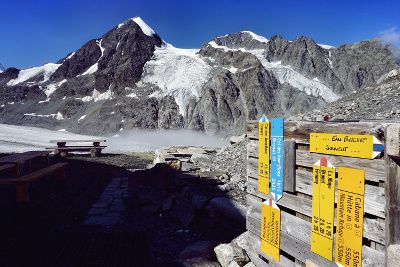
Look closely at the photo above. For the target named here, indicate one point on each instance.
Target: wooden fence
(380, 228)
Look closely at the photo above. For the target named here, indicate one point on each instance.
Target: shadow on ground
(152, 216)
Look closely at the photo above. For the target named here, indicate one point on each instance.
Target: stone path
(109, 208)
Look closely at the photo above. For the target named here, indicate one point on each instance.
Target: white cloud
(390, 36)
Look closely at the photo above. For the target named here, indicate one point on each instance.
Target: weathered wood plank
(373, 229)
(253, 250)
(300, 130)
(374, 195)
(296, 236)
(392, 186)
(374, 201)
(375, 169)
(289, 172)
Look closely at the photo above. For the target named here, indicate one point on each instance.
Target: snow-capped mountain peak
(146, 29)
(257, 37)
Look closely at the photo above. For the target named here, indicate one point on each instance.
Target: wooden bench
(22, 183)
(6, 168)
(63, 150)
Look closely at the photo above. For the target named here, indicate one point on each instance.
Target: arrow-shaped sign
(270, 228)
(263, 155)
(323, 201)
(350, 145)
(276, 174)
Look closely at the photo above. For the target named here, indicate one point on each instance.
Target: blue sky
(34, 32)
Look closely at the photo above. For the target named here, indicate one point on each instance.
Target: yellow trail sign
(323, 200)
(350, 145)
(270, 228)
(263, 155)
(349, 217)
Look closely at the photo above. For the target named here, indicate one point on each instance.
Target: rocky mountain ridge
(131, 78)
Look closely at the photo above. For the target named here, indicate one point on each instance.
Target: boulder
(200, 158)
(202, 249)
(183, 212)
(198, 201)
(199, 262)
(228, 208)
(227, 253)
(237, 139)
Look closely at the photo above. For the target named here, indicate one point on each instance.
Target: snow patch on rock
(92, 69)
(257, 37)
(51, 88)
(47, 70)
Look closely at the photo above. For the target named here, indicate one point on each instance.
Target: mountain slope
(131, 78)
(378, 102)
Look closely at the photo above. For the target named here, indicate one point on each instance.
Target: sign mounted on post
(270, 228)
(349, 217)
(277, 150)
(263, 155)
(350, 145)
(323, 201)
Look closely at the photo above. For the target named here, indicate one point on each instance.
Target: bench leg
(22, 192)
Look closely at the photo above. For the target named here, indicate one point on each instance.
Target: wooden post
(289, 181)
(392, 187)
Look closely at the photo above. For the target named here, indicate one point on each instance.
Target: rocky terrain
(131, 78)
(379, 102)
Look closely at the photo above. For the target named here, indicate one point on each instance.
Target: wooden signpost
(263, 155)
(350, 145)
(323, 200)
(277, 150)
(349, 218)
(270, 228)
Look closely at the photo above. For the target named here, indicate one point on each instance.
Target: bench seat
(7, 168)
(22, 183)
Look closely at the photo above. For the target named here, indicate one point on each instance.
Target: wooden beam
(289, 181)
(392, 186)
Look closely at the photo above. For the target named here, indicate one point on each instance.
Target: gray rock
(183, 212)
(227, 253)
(199, 201)
(393, 255)
(237, 139)
(202, 249)
(228, 208)
(200, 158)
(199, 262)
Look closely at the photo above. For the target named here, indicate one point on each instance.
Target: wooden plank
(289, 180)
(296, 236)
(373, 229)
(300, 130)
(374, 169)
(6, 167)
(78, 141)
(34, 175)
(374, 195)
(254, 251)
(392, 186)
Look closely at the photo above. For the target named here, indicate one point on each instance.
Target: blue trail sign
(276, 174)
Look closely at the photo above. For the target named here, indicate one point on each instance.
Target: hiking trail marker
(350, 145)
(323, 201)
(263, 155)
(277, 150)
(270, 228)
(349, 217)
